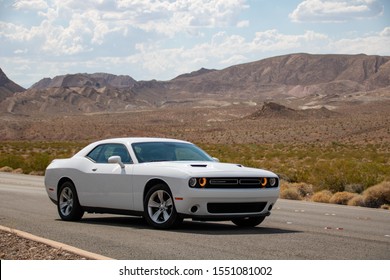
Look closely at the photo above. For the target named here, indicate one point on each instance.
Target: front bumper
(215, 204)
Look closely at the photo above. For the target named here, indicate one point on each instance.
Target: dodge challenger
(163, 180)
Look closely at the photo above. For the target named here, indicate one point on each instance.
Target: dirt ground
(13, 247)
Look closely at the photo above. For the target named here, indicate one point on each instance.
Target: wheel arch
(151, 183)
(63, 180)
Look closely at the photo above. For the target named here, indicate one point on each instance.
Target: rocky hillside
(7, 87)
(296, 75)
(274, 110)
(310, 80)
(97, 80)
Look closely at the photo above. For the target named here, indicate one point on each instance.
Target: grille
(251, 207)
(250, 182)
(223, 181)
(237, 183)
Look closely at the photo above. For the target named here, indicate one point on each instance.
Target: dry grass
(342, 198)
(290, 193)
(358, 200)
(32, 157)
(322, 196)
(295, 191)
(377, 195)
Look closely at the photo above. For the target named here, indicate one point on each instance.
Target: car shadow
(188, 226)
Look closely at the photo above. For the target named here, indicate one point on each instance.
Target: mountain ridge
(97, 80)
(8, 87)
(312, 79)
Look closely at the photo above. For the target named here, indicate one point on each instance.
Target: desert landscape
(321, 122)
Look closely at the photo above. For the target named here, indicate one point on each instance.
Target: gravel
(14, 247)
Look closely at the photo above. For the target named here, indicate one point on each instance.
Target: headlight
(272, 182)
(192, 182)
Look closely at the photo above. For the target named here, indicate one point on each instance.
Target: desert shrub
(38, 161)
(290, 193)
(295, 191)
(18, 171)
(11, 160)
(304, 190)
(354, 188)
(385, 206)
(322, 196)
(33, 156)
(377, 195)
(6, 169)
(342, 198)
(356, 201)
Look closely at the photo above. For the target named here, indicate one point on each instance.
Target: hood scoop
(198, 165)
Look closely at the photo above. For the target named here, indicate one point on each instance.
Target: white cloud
(243, 23)
(69, 27)
(194, 13)
(385, 32)
(170, 18)
(335, 10)
(19, 51)
(371, 44)
(30, 5)
(235, 59)
(272, 40)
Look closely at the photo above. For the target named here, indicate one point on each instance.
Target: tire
(248, 221)
(68, 205)
(159, 208)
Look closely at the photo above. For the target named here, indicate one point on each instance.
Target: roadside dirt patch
(13, 247)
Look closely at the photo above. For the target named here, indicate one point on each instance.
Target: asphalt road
(295, 230)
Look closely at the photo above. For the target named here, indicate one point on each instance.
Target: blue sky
(160, 39)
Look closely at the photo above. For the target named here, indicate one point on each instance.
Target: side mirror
(116, 159)
(216, 159)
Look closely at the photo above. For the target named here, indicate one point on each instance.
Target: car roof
(131, 140)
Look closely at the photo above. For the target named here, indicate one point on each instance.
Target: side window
(101, 153)
(94, 154)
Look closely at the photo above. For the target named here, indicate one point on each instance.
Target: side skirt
(100, 210)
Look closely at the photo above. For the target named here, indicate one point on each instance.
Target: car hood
(206, 168)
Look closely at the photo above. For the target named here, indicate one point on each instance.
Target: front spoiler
(223, 217)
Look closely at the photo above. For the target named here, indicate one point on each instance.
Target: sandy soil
(13, 247)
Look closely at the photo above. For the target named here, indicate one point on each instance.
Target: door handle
(94, 169)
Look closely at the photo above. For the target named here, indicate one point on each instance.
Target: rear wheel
(159, 208)
(248, 221)
(68, 204)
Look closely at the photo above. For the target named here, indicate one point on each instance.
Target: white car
(164, 180)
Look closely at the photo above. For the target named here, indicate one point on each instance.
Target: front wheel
(248, 221)
(68, 204)
(159, 208)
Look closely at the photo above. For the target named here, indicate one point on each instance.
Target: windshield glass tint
(168, 151)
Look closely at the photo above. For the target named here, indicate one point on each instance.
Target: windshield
(169, 151)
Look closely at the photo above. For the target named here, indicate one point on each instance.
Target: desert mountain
(296, 75)
(199, 72)
(274, 110)
(311, 81)
(97, 80)
(7, 87)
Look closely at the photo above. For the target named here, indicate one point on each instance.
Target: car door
(108, 185)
